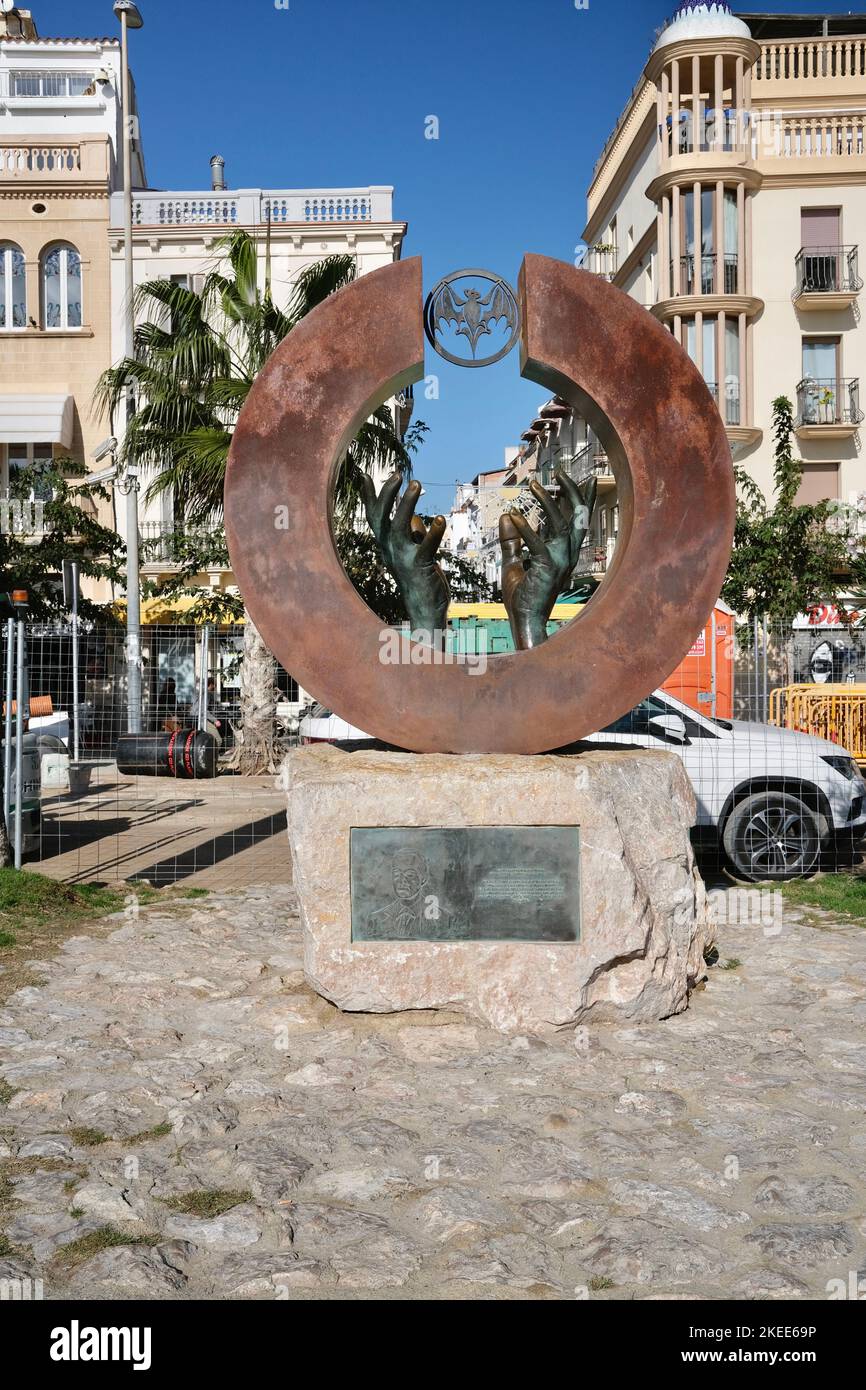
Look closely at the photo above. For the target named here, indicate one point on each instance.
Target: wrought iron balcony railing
(164, 544)
(827, 270)
(829, 401)
(594, 557)
(729, 405)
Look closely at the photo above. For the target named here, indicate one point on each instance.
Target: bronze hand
(408, 549)
(530, 587)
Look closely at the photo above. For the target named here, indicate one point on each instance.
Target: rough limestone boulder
(644, 912)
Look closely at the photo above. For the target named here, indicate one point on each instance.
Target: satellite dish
(7, 5)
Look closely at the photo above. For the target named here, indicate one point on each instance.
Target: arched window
(13, 287)
(61, 287)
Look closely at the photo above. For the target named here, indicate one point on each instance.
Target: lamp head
(132, 12)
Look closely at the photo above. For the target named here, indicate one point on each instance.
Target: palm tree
(196, 355)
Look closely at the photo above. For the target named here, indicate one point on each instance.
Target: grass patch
(77, 1251)
(207, 1201)
(88, 1138)
(37, 914)
(733, 963)
(11, 1168)
(844, 894)
(158, 1132)
(7, 1091)
(8, 1250)
(599, 1282)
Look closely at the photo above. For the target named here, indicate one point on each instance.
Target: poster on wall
(829, 655)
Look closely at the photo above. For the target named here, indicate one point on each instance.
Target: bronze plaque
(473, 883)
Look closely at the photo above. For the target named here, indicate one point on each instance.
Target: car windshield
(637, 720)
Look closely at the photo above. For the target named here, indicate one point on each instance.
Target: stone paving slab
(719, 1154)
(222, 832)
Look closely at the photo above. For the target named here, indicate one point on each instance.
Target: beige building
(729, 200)
(59, 131)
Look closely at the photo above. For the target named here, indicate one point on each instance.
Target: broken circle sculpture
(626, 375)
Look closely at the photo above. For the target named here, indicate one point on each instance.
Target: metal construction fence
(95, 823)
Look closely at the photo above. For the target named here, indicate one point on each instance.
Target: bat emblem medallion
(473, 314)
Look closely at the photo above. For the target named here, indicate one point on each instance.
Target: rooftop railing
(802, 60)
(257, 207)
(53, 160)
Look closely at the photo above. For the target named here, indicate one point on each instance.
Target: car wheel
(772, 836)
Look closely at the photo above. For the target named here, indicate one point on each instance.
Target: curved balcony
(711, 273)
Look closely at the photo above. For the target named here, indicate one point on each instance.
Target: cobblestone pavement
(718, 1154)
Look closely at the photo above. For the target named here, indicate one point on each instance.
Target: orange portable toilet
(704, 678)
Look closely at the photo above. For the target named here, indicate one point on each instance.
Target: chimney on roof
(218, 174)
(16, 23)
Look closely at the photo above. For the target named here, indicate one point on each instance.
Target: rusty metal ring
(669, 452)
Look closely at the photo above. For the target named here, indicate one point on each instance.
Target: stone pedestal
(644, 916)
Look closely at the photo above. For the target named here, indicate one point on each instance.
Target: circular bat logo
(472, 314)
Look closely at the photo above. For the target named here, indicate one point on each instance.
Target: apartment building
(729, 200)
(60, 133)
(177, 235)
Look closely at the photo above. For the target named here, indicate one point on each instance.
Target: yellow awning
(561, 611)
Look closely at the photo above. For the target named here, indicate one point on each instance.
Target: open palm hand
(409, 549)
(531, 586)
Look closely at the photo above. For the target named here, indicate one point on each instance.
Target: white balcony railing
(50, 161)
(802, 60)
(250, 207)
(813, 137)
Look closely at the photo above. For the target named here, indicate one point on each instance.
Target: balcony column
(658, 287)
(675, 106)
(676, 239)
(719, 102)
(747, 285)
(741, 236)
(699, 341)
(720, 365)
(742, 368)
(696, 104)
(738, 95)
(697, 259)
(33, 289)
(747, 100)
(719, 241)
(663, 108)
(666, 278)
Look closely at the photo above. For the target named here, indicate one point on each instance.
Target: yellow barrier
(834, 712)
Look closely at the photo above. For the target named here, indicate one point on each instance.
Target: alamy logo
(77, 1343)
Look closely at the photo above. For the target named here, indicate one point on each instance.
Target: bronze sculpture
(635, 385)
(530, 586)
(408, 549)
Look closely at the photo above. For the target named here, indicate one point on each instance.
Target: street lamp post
(130, 18)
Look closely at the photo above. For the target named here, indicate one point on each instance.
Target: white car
(770, 799)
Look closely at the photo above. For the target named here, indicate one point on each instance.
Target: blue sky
(336, 92)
